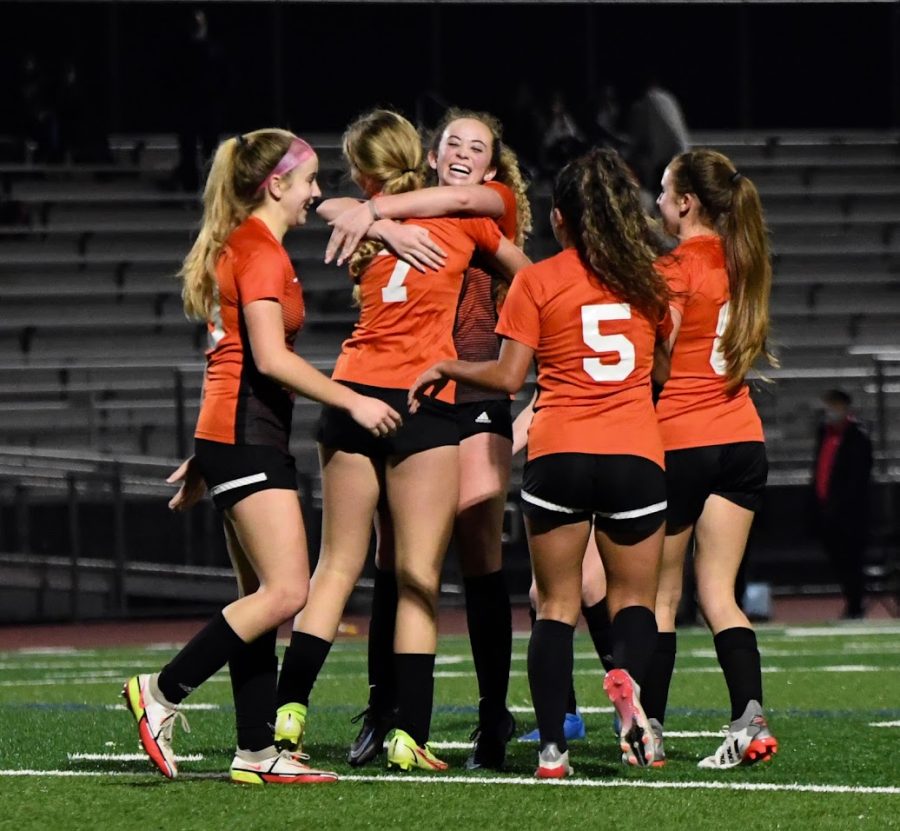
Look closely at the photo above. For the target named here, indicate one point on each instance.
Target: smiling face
(464, 154)
(298, 189)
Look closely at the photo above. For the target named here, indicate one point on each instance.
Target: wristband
(373, 210)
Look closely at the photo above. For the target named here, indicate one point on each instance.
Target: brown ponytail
(732, 205)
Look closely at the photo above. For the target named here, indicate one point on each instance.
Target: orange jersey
(594, 356)
(406, 320)
(694, 409)
(240, 405)
(476, 315)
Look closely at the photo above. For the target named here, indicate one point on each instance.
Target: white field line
(841, 631)
(884, 724)
(670, 734)
(126, 757)
(758, 787)
(103, 677)
(185, 705)
(583, 710)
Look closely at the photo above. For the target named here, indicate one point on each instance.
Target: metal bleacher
(98, 363)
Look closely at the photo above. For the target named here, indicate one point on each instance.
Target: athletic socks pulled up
(600, 628)
(382, 692)
(738, 656)
(489, 619)
(655, 691)
(550, 660)
(633, 634)
(303, 660)
(415, 694)
(201, 658)
(254, 673)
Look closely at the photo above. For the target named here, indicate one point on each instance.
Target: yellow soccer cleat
(404, 753)
(290, 724)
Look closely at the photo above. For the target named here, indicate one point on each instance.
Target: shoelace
(359, 716)
(169, 724)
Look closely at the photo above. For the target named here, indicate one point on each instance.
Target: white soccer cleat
(552, 764)
(747, 741)
(283, 768)
(155, 722)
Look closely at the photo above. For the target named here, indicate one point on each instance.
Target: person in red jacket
(720, 278)
(239, 278)
(590, 316)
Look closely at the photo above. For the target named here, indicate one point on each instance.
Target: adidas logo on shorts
(484, 418)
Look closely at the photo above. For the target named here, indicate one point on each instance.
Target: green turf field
(68, 750)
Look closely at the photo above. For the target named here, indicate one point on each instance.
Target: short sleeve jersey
(406, 317)
(476, 315)
(594, 355)
(240, 404)
(694, 409)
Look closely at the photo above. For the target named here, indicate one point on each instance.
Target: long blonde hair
(386, 148)
(731, 204)
(232, 192)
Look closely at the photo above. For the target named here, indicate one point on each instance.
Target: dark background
(313, 66)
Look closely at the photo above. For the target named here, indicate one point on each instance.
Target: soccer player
(720, 278)
(590, 316)
(466, 151)
(406, 324)
(239, 278)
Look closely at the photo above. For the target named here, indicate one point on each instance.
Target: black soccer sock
(634, 640)
(303, 661)
(600, 628)
(489, 618)
(571, 701)
(201, 658)
(415, 694)
(739, 658)
(254, 671)
(382, 693)
(655, 690)
(550, 660)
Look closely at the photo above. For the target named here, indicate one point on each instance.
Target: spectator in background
(563, 139)
(841, 480)
(657, 131)
(607, 115)
(199, 99)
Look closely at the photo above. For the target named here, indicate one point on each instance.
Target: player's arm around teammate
(716, 467)
(404, 319)
(594, 453)
(239, 278)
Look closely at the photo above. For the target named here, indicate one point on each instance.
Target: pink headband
(298, 152)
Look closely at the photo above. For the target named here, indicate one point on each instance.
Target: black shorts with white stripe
(233, 471)
(736, 472)
(488, 416)
(622, 493)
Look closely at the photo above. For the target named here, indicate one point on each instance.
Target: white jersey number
(395, 291)
(591, 317)
(717, 358)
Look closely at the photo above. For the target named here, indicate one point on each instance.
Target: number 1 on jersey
(395, 291)
(591, 316)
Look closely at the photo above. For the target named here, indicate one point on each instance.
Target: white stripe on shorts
(650, 509)
(560, 509)
(543, 503)
(237, 483)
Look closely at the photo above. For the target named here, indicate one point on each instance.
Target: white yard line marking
(185, 705)
(413, 779)
(126, 757)
(841, 631)
(884, 724)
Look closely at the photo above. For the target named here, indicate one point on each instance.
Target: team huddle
(641, 436)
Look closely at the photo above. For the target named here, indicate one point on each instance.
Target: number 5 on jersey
(591, 318)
